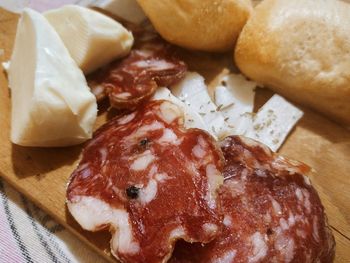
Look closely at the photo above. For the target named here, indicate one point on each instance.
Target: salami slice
(150, 181)
(271, 212)
(134, 79)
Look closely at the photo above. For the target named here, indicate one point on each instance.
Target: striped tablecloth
(27, 234)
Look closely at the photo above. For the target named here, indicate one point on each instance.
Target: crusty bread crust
(206, 25)
(300, 49)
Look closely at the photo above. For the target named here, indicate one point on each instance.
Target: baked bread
(300, 49)
(205, 25)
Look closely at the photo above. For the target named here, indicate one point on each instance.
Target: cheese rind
(51, 102)
(92, 39)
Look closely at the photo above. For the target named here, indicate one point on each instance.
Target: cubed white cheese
(51, 102)
(192, 118)
(125, 9)
(92, 39)
(273, 122)
(193, 92)
(235, 100)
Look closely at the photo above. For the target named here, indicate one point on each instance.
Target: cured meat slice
(134, 79)
(271, 211)
(150, 181)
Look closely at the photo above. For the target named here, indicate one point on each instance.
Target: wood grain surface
(42, 174)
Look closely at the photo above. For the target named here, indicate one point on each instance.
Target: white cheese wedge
(92, 39)
(273, 122)
(235, 100)
(194, 93)
(192, 118)
(51, 102)
(128, 10)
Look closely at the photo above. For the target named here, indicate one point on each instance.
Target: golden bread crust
(205, 25)
(300, 49)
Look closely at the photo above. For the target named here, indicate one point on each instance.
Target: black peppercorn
(132, 192)
(144, 142)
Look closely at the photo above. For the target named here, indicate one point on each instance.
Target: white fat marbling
(192, 118)
(161, 177)
(126, 119)
(169, 112)
(307, 203)
(227, 257)
(103, 153)
(291, 219)
(154, 64)
(227, 221)
(199, 150)
(315, 233)
(276, 206)
(93, 214)
(169, 137)
(284, 224)
(123, 95)
(148, 193)
(142, 161)
(143, 131)
(177, 233)
(210, 228)
(259, 247)
(299, 194)
(215, 179)
(285, 244)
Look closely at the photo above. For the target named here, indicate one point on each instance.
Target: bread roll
(301, 49)
(206, 25)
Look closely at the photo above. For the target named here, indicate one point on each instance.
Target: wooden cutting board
(42, 174)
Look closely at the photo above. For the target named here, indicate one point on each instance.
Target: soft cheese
(51, 102)
(92, 39)
(193, 91)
